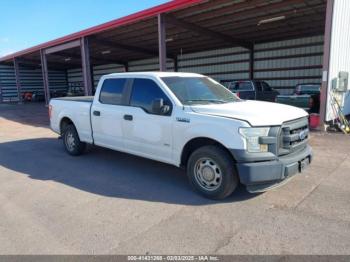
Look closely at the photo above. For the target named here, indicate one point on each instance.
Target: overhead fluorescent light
(271, 20)
(106, 52)
(67, 59)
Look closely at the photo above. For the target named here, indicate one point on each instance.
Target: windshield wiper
(206, 100)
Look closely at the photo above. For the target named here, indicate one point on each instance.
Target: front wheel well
(196, 143)
(65, 121)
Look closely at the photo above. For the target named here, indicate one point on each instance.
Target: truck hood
(257, 113)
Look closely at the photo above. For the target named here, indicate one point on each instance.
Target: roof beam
(31, 62)
(62, 47)
(37, 63)
(207, 32)
(109, 43)
(103, 60)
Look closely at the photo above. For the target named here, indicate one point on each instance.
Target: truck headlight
(251, 135)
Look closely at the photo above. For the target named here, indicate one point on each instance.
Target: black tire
(224, 168)
(71, 141)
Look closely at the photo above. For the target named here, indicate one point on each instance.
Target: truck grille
(294, 136)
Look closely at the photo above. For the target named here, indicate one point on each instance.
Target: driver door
(147, 133)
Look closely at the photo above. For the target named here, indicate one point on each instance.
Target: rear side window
(241, 86)
(112, 91)
(144, 92)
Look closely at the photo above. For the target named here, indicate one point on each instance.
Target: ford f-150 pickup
(191, 121)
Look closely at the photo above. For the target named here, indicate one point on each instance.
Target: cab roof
(156, 74)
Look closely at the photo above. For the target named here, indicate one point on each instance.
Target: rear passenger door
(107, 114)
(147, 133)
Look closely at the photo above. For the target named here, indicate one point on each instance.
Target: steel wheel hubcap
(70, 141)
(208, 174)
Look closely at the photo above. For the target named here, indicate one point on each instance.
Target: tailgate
(301, 101)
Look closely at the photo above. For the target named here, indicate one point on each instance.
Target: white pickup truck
(189, 120)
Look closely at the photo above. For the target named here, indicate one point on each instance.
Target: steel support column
(251, 63)
(126, 67)
(18, 79)
(162, 42)
(1, 95)
(86, 66)
(176, 64)
(326, 61)
(45, 73)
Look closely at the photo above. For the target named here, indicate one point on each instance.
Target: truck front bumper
(262, 175)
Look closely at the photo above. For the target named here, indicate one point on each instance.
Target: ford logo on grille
(303, 134)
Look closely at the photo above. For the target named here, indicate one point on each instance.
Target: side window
(112, 91)
(145, 92)
(266, 87)
(233, 86)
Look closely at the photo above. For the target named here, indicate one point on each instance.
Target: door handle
(97, 113)
(128, 117)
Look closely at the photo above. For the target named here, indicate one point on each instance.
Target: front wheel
(211, 172)
(71, 141)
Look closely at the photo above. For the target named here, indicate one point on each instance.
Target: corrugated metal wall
(148, 65)
(75, 76)
(282, 64)
(340, 50)
(222, 64)
(31, 81)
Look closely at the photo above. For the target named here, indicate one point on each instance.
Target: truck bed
(87, 99)
(77, 109)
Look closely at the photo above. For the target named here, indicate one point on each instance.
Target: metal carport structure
(180, 27)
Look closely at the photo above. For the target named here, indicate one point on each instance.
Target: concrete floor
(106, 202)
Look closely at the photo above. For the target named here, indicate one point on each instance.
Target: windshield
(199, 90)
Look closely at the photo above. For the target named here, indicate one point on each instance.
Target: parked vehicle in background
(306, 96)
(191, 121)
(75, 89)
(36, 96)
(253, 90)
(58, 93)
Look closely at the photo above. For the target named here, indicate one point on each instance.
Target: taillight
(50, 110)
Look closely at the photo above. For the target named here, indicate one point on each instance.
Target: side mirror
(159, 108)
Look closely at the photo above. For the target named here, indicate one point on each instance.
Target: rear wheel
(211, 172)
(71, 141)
